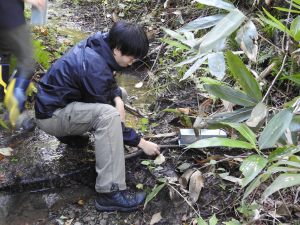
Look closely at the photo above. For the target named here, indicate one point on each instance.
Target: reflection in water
(33, 208)
(137, 96)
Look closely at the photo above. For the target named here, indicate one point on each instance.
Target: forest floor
(71, 172)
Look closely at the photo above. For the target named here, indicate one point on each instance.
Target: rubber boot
(4, 76)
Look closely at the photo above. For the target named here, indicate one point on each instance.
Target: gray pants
(17, 41)
(78, 118)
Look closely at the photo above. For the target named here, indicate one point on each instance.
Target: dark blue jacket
(11, 14)
(84, 74)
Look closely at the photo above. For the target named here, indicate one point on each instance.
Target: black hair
(129, 38)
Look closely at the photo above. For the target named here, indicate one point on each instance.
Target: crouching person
(79, 94)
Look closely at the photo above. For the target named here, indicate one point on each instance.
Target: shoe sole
(102, 208)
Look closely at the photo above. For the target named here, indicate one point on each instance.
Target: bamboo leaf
(282, 181)
(216, 64)
(276, 169)
(222, 30)
(174, 34)
(237, 116)
(283, 152)
(288, 163)
(153, 193)
(254, 184)
(275, 128)
(214, 142)
(218, 3)
(287, 10)
(175, 44)
(190, 60)
(247, 39)
(229, 94)
(272, 21)
(202, 23)
(194, 67)
(245, 131)
(295, 78)
(251, 167)
(295, 28)
(213, 220)
(243, 76)
(258, 114)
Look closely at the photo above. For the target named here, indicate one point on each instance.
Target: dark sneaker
(75, 141)
(122, 201)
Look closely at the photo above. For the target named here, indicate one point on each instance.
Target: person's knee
(106, 111)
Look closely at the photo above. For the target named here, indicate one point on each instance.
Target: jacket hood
(99, 43)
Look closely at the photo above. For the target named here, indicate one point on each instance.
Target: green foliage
(153, 193)
(185, 119)
(40, 54)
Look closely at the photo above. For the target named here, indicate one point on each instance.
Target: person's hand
(15, 98)
(40, 4)
(149, 147)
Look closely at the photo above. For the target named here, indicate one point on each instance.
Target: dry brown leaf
(228, 106)
(195, 186)
(160, 159)
(185, 111)
(81, 202)
(1, 157)
(185, 177)
(155, 218)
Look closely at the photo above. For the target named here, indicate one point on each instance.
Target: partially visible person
(15, 39)
(79, 94)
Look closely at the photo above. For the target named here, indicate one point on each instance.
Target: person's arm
(40, 4)
(149, 147)
(119, 104)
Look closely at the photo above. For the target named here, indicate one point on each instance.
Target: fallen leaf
(185, 177)
(232, 179)
(6, 151)
(69, 222)
(160, 159)
(196, 184)
(183, 167)
(81, 202)
(1, 157)
(185, 111)
(2, 178)
(155, 218)
(139, 186)
(139, 84)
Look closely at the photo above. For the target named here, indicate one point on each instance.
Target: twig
(266, 71)
(158, 53)
(169, 185)
(276, 77)
(262, 37)
(134, 111)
